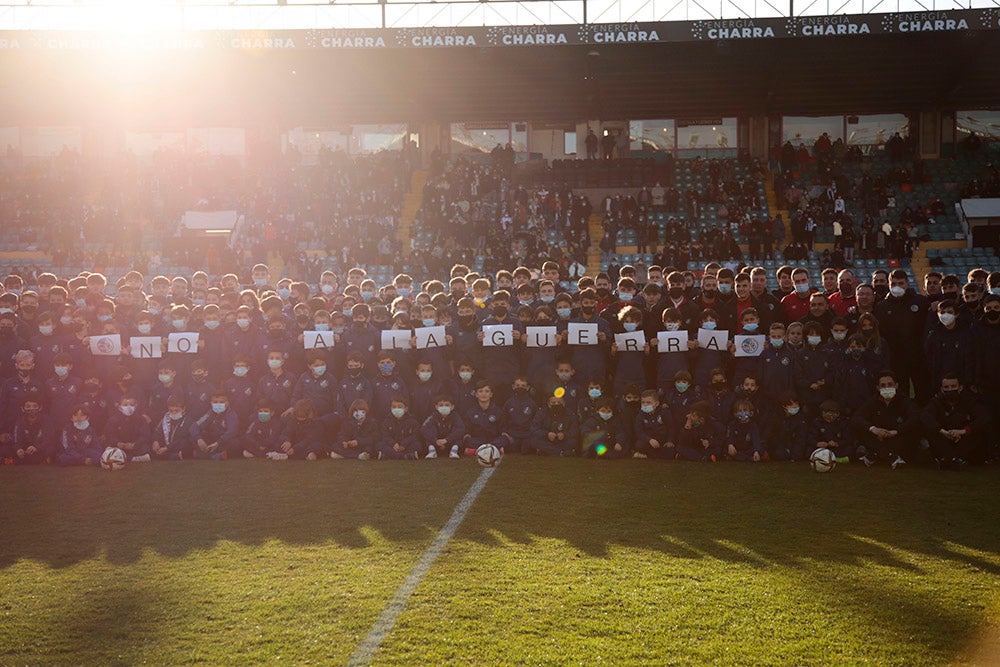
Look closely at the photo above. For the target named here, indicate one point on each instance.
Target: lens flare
(559, 392)
(602, 450)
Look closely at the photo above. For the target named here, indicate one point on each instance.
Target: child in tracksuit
(554, 429)
(302, 434)
(400, 433)
(359, 435)
(699, 438)
(443, 431)
(262, 435)
(80, 443)
(788, 431)
(653, 429)
(386, 384)
(853, 379)
(777, 363)
(217, 431)
(485, 421)
(173, 434)
(427, 386)
(128, 430)
(830, 430)
(743, 438)
(519, 413)
(681, 396)
(34, 436)
(601, 433)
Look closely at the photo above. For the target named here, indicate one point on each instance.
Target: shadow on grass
(764, 516)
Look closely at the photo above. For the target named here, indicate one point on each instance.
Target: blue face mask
(630, 326)
(681, 386)
(750, 326)
(725, 288)
(424, 376)
(284, 293)
(103, 318)
(367, 296)
(264, 416)
(403, 291)
(777, 342)
(709, 325)
(594, 393)
(793, 410)
(218, 408)
(546, 299)
(444, 410)
(82, 426)
(336, 330)
(429, 321)
(605, 415)
(465, 375)
(564, 313)
(648, 409)
(743, 416)
(385, 369)
(319, 370)
(321, 326)
(359, 414)
(626, 296)
(212, 325)
(240, 371)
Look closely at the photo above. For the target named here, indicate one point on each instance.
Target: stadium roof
(694, 70)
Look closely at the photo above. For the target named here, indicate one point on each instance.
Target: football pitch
(557, 562)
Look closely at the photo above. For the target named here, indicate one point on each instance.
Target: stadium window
(569, 142)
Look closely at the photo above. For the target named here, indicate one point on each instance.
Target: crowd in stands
(524, 351)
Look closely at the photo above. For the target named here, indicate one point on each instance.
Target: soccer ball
(113, 459)
(822, 460)
(488, 455)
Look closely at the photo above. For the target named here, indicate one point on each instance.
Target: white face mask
(897, 291)
(946, 319)
(887, 392)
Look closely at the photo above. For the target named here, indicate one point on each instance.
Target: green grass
(558, 562)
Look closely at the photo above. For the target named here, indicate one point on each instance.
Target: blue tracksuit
(701, 443)
(62, 397)
(307, 437)
(519, 413)
(745, 437)
(422, 395)
(450, 428)
(76, 446)
(278, 389)
(548, 421)
(596, 432)
(262, 437)
(242, 393)
(777, 368)
(367, 340)
(367, 433)
(657, 425)
(404, 431)
(323, 391)
(590, 361)
(839, 431)
(132, 429)
(788, 437)
(384, 388)
(485, 425)
(213, 427)
(39, 433)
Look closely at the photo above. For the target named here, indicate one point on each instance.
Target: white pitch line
(390, 614)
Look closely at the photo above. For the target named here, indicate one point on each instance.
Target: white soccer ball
(113, 459)
(488, 455)
(823, 460)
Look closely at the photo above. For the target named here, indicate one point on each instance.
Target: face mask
(429, 321)
(274, 364)
(211, 325)
(564, 313)
(444, 410)
(24, 372)
(947, 319)
(321, 326)
(218, 408)
(814, 340)
(794, 410)
(594, 393)
(648, 409)
(897, 291)
(284, 293)
(259, 282)
(144, 328)
(336, 330)
(103, 318)
(682, 386)
(994, 290)
(360, 324)
(46, 329)
(424, 376)
(198, 302)
(603, 292)
(465, 375)
(367, 296)
(719, 385)
(385, 369)
(802, 288)
(750, 326)
(626, 296)
(856, 353)
(359, 414)
(525, 302)
(547, 299)
(398, 412)
(675, 292)
(839, 335)
(403, 291)
(605, 415)
(499, 312)
(127, 410)
(175, 416)
(887, 393)
(993, 315)
(243, 323)
(743, 416)
(725, 288)
(318, 370)
(264, 416)
(178, 324)
(62, 371)
(710, 325)
(276, 334)
(65, 320)
(587, 310)
(777, 342)
(353, 371)
(81, 303)
(154, 311)
(950, 394)
(82, 426)
(564, 377)
(165, 377)
(630, 326)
